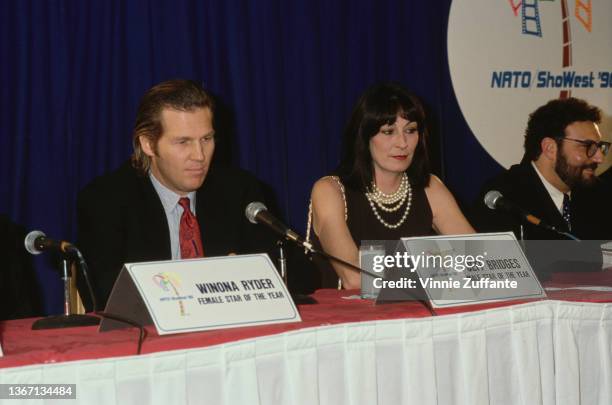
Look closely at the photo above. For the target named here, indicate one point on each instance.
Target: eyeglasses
(591, 146)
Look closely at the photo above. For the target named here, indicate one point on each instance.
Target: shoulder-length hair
(177, 94)
(380, 105)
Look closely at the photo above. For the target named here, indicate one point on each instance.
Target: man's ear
(549, 148)
(147, 145)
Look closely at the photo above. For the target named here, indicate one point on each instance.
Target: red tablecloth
(23, 346)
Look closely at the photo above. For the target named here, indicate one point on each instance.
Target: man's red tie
(189, 233)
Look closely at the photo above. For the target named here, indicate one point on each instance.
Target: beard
(573, 175)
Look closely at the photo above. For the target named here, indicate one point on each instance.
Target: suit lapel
(153, 222)
(201, 209)
(542, 199)
(212, 210)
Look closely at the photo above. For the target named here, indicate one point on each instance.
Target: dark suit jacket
(522, 185)
(20, 295)
(598, 202)
(121, 220)
(606, 182)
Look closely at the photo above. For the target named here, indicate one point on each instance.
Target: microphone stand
(282, 262)
(299, 299)
(310, 249)
(67, 319)
(254, 209)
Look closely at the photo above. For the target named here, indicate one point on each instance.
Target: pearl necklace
(378, 198)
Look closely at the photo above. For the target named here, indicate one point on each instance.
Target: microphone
(37, 242)
(496, 201)
(257, 213)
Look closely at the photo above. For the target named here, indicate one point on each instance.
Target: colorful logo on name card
(508, 57)
(170, 283)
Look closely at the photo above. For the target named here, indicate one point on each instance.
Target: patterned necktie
(189, 233)
(566, 211)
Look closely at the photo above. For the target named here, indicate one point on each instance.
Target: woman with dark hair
(382, 189)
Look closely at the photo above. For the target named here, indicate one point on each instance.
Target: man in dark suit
(168, 202)
(556, 180)
(606, 179)
(20, 295)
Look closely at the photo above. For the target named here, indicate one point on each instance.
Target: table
(344, 352)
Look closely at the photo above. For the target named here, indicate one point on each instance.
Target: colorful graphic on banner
(171, 283)
(508, 57)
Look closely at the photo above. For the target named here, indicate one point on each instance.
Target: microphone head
(30, 242)
(253, 209)
(491, 198)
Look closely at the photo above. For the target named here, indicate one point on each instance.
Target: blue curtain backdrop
(288, 73)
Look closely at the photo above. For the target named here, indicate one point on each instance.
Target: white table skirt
(549, 352)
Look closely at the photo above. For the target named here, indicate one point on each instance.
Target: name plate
(457, 270)
(201, 294)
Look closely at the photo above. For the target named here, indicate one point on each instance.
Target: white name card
(460, 270)
(201, 294)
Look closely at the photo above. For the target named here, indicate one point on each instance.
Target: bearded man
(556, 179)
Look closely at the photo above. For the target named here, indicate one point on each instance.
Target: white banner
(508, 57)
